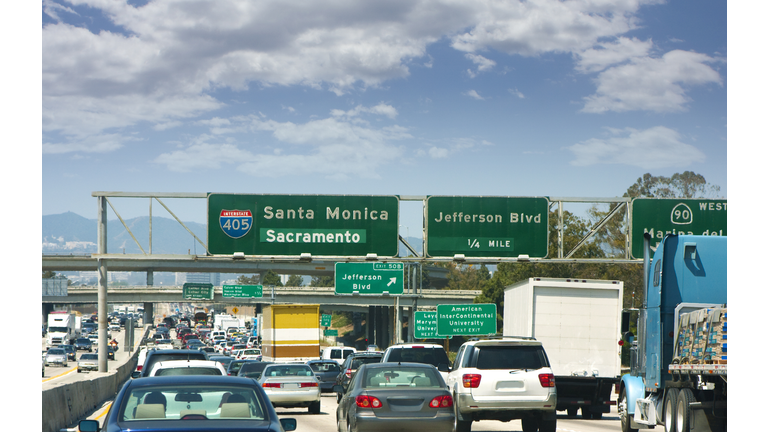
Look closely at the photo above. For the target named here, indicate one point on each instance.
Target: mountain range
(69, 233)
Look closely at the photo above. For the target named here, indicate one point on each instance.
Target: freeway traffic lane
(56, 375)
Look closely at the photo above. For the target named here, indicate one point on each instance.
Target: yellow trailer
(290, 333)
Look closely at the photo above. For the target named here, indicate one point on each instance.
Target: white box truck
(578, 322)
(62, 328)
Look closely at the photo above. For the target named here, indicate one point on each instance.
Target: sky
(505, 98)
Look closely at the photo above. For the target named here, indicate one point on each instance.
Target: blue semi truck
(678, 361)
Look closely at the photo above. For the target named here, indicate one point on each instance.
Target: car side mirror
(338, 389)
(288, 424)
(443, 367)
(135, 374)
(88, 426)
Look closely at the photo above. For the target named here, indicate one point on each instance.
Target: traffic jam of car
(218, 377)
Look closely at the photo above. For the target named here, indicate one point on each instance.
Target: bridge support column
(150, 278)
(101, 238)
(149, 314)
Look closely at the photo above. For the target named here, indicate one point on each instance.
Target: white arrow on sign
(392, 280)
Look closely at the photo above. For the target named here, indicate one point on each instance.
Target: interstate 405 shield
(330, 225)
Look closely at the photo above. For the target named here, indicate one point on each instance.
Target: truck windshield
(57, 329)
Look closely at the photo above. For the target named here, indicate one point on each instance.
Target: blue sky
(561, 99)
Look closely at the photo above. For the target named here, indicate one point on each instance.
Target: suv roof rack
(494, 337)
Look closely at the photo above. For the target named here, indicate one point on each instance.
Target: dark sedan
(211, 403)
(326, 372)
(84, 344)
(350, 366)
(252, 369)
(396, 396)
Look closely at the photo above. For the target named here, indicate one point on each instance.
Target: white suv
(503, 379)
(433, 354)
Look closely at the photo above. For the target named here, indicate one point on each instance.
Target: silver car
(56, 356)
(291, 385)
(88, 362)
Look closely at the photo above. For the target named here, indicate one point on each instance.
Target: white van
(338, 354)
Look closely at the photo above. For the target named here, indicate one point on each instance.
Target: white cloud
(609, 54)
(516, 92)
(654, 148)
(380, 109)
(652, 84)
(330, 147)
(483, 64)
(52, 9)
(473, 94)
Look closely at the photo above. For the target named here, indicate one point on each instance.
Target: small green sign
(325, 320)
(466, 319)
(369, 278)
(487, 226)
(425, 325)
(197, 291)
(242, 291)
(662, 216)
(329, 332)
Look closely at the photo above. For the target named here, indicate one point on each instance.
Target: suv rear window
(359, 361)
(433, 356)
(508, 357)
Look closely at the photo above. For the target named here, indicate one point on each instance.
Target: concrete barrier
(65, 404)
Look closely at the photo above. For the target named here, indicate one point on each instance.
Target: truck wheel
(458, 424)
(586, 414)
(624, 413)
(597, 415)
(670, 409)
(530, 424)
(683, 421)
(548, 425)
(572, 412)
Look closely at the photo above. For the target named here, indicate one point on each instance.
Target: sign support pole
(101, 233)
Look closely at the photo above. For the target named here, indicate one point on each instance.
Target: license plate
(290, 386)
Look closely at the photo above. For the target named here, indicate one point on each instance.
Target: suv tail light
(365, 401)
(546, 380)
(348, 373)
(471, 380)
(139, 367)
(441, 402)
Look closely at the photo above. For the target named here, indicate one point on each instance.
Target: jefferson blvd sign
(369, 278)
(487, 226)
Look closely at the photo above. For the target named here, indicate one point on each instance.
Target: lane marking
(61, 374)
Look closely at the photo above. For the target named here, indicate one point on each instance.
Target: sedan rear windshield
(433, 356)
(325, 367)
(188, 371)
(509, 357)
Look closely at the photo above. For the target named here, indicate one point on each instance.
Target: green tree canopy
(294, 281)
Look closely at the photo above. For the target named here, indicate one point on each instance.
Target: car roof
(397, 364)
(186, 363)
(507, 340)
(416, 345)
(192, 379)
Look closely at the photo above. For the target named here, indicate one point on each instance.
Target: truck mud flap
(592, 392)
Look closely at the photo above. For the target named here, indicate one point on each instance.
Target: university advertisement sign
(487, 226)
(478, 319)
(425, 325)
(661, 216)
(331, 225)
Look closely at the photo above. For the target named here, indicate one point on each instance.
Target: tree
(294, 281)
(270, 278)
(49, 274)
(685, 185)
(322, 281)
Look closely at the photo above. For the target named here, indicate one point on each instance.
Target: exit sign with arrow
(369, 278)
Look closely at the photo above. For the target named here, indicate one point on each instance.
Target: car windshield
(56, 351)
(83, 340)
(188, 371)
(401, 376)
(89, 357)
(325, 367)
(173, 402)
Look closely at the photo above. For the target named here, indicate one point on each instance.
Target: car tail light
(471, 380)
(441, 402)
(139, 367)
(271, 385)
(308, 384)
(547, 380)
(348, 373)
(365, 401)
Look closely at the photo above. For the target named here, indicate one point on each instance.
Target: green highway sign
(324, 225)
(466, 319)
(329, 332)
(242, 291)
(487, 226)
(425, 325)
(369, 278)
(197, 291)
(325, 320)
(661, 216)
